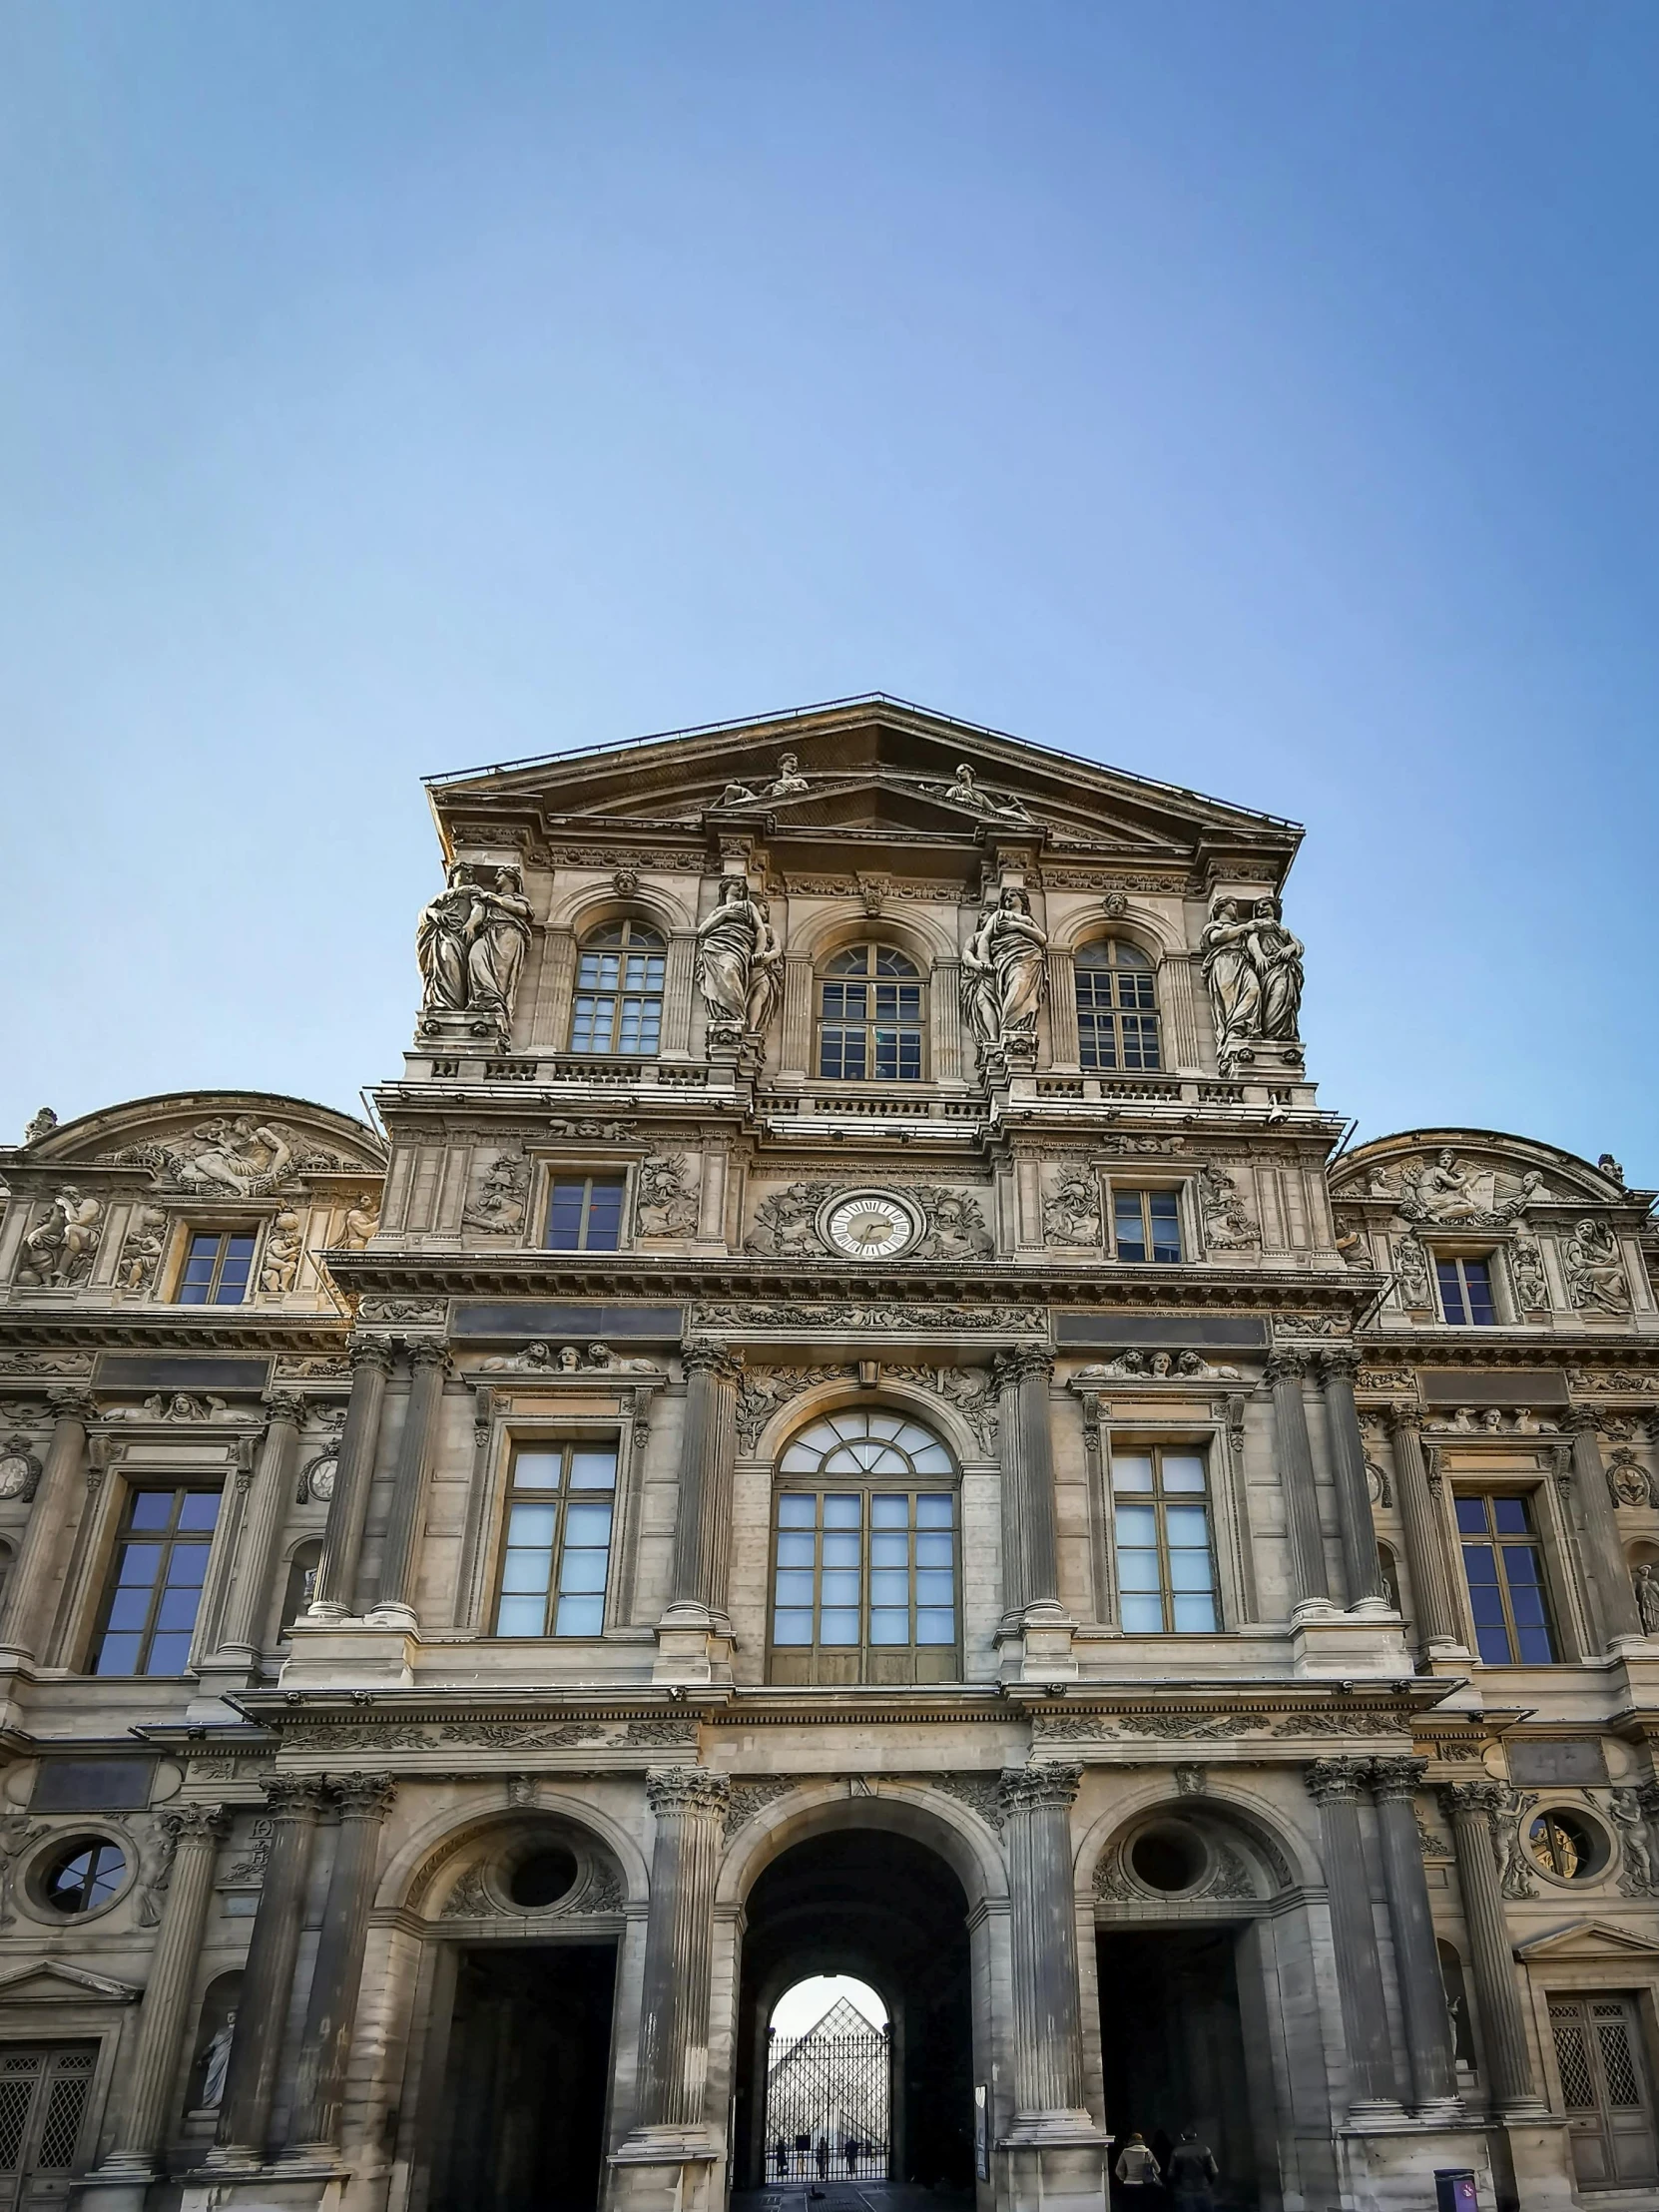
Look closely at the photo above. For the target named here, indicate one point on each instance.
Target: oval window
(83, 1876)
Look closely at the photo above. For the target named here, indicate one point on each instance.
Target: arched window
(865, 1554)
(872, 1005)
(1117, 1008)
(619, 990)
(302, 1584)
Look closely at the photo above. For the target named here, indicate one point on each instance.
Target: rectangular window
(558, 1551)
(1504, 1569)
(1166, 1565)
(866, 1579)
(1467, 1293)
(1147, 1224)
(584, 1214)
(216, 1268)
(1117, 1026)
(160, 1563)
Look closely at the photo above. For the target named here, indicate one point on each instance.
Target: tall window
(1146, 1225)
(1166, 1564)
(1503, 1565)
(584, 1213)
(870, 1010)
(1467, 1293)
(619, 990)
(216, 1268)
(864, 1562)
(160, 1563)
(557, 1558)
(1117, 1013)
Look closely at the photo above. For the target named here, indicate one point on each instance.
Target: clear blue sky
(1259, 396)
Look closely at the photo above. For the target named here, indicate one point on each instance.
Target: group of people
(803, 2156)
(1185, 2176)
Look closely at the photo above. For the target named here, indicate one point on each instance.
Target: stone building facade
(852, 1415)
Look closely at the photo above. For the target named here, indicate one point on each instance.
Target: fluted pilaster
(343, 1539)
(1030, 1557)
(708, 1455)
(1425, 1559)
(33, 1591)
(1048, 2036)
(1311, 1583)
(325, 2049)
(688, 1804)
(1334, 1784)
(1474, 1808)
(293, 1803)
(1362, 1575)
(399, 1562)
(1616, 1610)
(242, 1635)
(1430, 2053)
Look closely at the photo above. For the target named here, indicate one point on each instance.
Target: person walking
(823, 2158)
(1136, 2171)
(1193, 2174)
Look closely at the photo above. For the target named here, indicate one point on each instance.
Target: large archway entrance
(884, 1909)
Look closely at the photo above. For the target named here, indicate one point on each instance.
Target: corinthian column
(708, 1450)
(1473, 1808)
(195, 1831)
(242, 1635)
(335, 1590)
(1436, 1622)
(1334, 1785)
(1617, 1613)
(428, 1364)
(1428, 2025)
(33, 1593)
(1310, 1582)
(1048, 2025)
(1030, 1558)
(267, 1979)
(688, 1804)
(330, 2017)
(1360, 1573)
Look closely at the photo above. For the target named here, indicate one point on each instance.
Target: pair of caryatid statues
(470, 942)
(1253, 970)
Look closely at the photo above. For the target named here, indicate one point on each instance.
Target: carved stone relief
(1251, 969)
(1228, 1227)
(1072, 1214)
(497, 1204)
(239, 1158)
(1006, 975)
(1596, 1279)
(470, 942)
(763, 1390)
(141, 1249)
(59, 1250)
(666, 1204)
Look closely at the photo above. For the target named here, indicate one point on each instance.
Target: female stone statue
(1278, 957)
(738, 959)
(497, 937)
(1006, 971)
(1231, 976)
(218, 2055)
(440, 944)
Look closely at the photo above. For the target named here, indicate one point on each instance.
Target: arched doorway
(882, 1908)
(828, 2083)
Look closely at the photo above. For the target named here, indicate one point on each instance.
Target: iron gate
(828, 2100)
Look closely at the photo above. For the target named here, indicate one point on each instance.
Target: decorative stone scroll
(888, 1319)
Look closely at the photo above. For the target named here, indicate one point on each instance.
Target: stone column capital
(363, 1797)
(286, 1405)
(700, 1355)
(1285, 1364)
(427, 1352)
(1033, 1788)
(1337, 1363)
(295, 1797)
(1398, 1780)
(194, 1824)
(1579, 1421)
(370, 1352)
(72, 1401)
(1337, 1781)
(670, 1790)
(1014, 1364)
(1487, 1799)
(1406, 1420)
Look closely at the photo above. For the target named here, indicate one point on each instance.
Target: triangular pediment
(1588, 1940)
(874, 766)
(50, 1981)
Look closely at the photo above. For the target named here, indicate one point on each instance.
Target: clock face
(870, 1226)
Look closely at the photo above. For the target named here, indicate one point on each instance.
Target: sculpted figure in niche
(1072, 1215)
(1645, 1580)
(1527, 1269)
(218, 2057)
(666, 1206)
(497, 938)
(1277, 956)
(363, 1218)
(59, 1250)
(142, 1251)
(1596, 1274)
(740, 964)
(1006, 971)
(440, 944)
(282, 1254)
(1637, 1881)
(1232, 977)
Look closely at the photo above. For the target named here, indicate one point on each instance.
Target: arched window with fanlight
(1117, 1007)
(619, 989)
(865, 1583)
(872, 1006)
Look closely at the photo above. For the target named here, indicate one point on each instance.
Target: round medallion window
(17, 1470)
(83, 1876)
(543, 1877)
(1566, 1846)
(1168, 1858)
(870, 1224)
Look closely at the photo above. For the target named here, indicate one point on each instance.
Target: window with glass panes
(161, 1564)
(1166, 1561)
(216, 1268)
(1503, 1566)
(618, 1005)
(1146, 1225)
(556, 1555)
(1117, 1012)
(864, 1553)
(871, 1016)
(584, 1213)
(1467, 1293)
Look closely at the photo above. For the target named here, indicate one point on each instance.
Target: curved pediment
(215, 1144)
(1480, 1177)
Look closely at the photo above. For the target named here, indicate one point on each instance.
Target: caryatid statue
(1006, 971)
(740, 964)
(471, 941)
(1253, 971)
